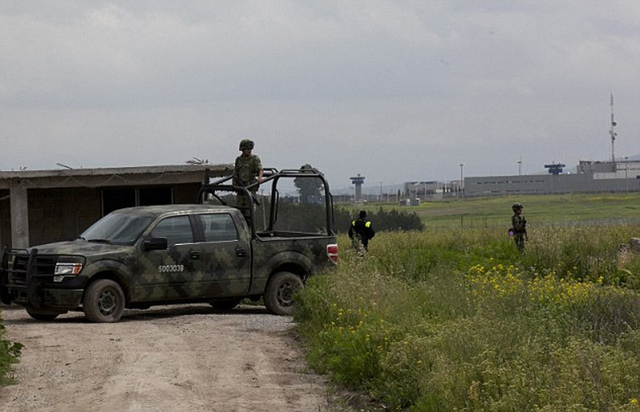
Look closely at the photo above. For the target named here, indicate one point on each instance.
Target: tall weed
(463, 321)
(583, 253)
(414, 256)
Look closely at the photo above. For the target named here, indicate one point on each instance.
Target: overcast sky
(394, 90)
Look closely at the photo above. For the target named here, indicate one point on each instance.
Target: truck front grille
(42, 267)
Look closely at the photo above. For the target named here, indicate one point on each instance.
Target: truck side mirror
(155, 243)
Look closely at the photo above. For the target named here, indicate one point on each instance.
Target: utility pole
(612, 132)
(626, 173)
(520, 166)
(462, 180)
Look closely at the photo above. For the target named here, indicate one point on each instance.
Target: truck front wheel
(5, 296)
(225, 305)
(42, 315)
(278, 297)
(103, 301)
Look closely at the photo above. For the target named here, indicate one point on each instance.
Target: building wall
(546, 184)
(43, 206)
(59, 214)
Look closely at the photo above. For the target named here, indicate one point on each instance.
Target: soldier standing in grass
(519, 226)
(360, 232)
(247, 171)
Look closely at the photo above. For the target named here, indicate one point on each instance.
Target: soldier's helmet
(517, 206)
(246, 144)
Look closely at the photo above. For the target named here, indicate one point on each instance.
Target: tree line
(382, 220)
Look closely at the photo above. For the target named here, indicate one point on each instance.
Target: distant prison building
(590, 177)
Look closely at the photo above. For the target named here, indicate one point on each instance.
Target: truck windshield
(117, 228)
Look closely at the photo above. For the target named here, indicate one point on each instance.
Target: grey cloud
(394, 90)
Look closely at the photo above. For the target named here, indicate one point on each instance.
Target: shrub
(9, 354)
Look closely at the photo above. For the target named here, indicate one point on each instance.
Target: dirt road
(180, 358)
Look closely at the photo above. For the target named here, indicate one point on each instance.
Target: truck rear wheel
(278, 296)
(103, 301)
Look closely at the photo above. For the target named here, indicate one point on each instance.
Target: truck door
(175, 272)
(226, 256)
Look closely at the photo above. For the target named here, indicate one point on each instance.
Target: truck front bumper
(29, 279)
(48, 298)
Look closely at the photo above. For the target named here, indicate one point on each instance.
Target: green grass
(540, 210)
(459, 320)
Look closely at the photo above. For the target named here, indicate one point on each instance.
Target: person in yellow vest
(361, 231)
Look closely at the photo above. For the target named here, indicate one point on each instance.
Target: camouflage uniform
(519, 227)
(244, 174)
(246, 170)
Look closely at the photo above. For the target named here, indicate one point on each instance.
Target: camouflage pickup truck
(156, 255)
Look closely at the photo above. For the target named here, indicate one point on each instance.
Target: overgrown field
(459, 320)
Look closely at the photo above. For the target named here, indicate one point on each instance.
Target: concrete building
(591, 177)
(422, 189)
(44, 206)
(623, 169)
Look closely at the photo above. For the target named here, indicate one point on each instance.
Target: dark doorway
(118, 198)
(154, 196)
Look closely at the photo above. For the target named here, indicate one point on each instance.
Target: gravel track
(169, 358)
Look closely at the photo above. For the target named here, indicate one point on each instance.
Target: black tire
(42, 315)
(225, 305)
(278, 296)
(103, 301)
(5, 296)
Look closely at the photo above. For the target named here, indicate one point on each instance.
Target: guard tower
(555, 168)
(358, 181)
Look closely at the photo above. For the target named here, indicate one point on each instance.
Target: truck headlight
(66, 269)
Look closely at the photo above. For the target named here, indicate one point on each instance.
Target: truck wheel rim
(107, 302)
(286, 293)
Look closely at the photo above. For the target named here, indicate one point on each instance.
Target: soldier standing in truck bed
(247, 171)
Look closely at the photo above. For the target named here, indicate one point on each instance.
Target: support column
(19, 215)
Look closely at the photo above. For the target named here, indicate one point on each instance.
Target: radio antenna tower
(612, 132)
